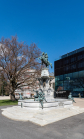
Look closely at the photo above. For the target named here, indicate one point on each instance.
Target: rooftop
(73, 52)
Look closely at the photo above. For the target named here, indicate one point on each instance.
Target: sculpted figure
(40, 98)
(35, 96)
(70, 97)
(44, 60)
(20, 96)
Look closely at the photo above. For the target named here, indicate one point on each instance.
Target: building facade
(69, 73)
(27, 90)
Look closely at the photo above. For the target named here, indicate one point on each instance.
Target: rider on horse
(44, 59)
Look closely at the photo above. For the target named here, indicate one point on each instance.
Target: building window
(80, 57)
(67, 68)
(66, 61)
(81, 74)
(73, 59)
(70, 75)
(75, 75)
(61, 77)
(81, 64)
(73, 66)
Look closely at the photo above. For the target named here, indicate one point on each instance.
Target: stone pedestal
(44, 84)
(50, 104)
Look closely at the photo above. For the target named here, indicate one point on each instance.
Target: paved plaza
(41, 117)
(79, 102)
(71, 127)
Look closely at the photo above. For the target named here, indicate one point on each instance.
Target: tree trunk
(12, 97)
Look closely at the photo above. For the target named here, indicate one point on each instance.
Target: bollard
(21, 105)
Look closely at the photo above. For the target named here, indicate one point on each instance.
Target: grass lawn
(8, 102)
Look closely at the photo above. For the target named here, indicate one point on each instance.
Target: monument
(39, 110)
(44, 97)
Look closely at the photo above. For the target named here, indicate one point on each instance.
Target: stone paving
(79, 102)
(43, 117)
(68, 128)
(40, 117)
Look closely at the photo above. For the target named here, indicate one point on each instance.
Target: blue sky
(56, 26)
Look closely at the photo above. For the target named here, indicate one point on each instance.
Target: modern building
(69, 73)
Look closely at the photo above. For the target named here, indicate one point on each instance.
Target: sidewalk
(4, 97)
(79, 102)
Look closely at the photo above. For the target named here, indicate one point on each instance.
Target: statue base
(50, 104)
(45, 84)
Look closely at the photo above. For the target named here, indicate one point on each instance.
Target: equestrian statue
(44, 60)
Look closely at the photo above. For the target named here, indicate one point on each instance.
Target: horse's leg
(42, 62)
(51, 65)
(46, 65)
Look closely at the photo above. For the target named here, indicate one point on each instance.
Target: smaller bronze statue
(40, 97)
(44, 60)
(70, 97)
(35, 96)
(79, 95)
(20, 96)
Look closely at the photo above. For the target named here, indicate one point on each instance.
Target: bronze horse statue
(44, 60)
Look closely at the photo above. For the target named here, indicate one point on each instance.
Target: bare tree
(16, 59)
